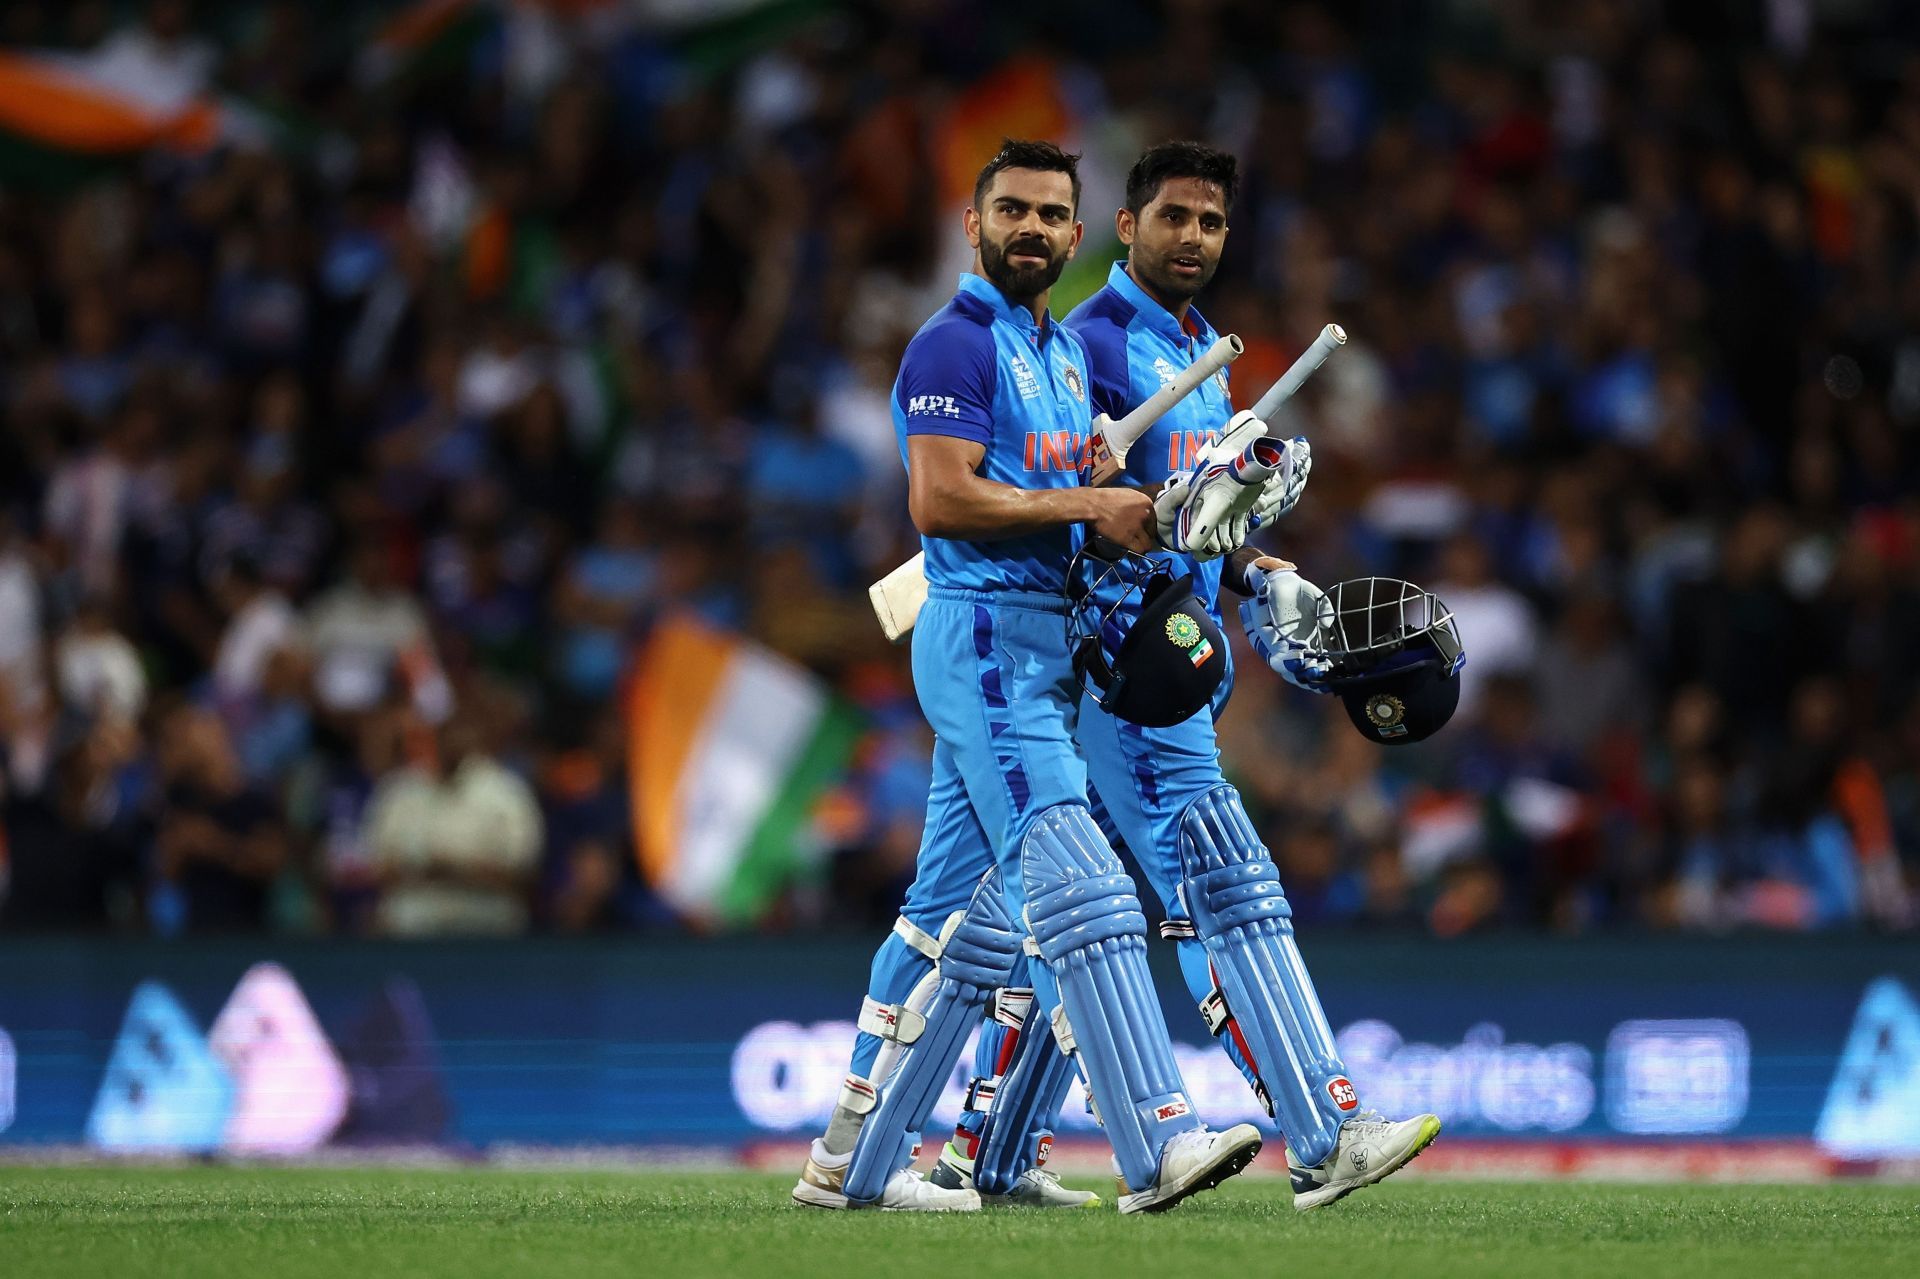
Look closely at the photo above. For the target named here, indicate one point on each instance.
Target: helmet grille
(1364, 620)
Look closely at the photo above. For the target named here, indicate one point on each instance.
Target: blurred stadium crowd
(348, 456)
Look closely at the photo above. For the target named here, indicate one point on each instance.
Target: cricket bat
(897, 597)
(1331, 339)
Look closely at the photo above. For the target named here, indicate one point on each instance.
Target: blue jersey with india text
(1135, 346)
(983, 370)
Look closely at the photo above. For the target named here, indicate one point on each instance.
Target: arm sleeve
(946, 383)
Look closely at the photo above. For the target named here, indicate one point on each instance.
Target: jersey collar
(983, 290)
(1154, 315)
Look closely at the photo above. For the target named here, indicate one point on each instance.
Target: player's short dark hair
(1020, 153)
(1160, 164)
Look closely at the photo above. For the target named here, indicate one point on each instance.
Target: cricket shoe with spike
(1370, 1147)
(906, 1191)
(1193, 1161)
(1035, 1188)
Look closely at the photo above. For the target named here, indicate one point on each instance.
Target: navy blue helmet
(1396, 657)
(1141, 639)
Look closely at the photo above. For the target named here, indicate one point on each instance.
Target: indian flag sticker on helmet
(1185, 633)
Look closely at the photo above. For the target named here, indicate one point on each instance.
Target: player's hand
(1282, 621)
(1207, 511)
(1123, 515)
(1282, 490)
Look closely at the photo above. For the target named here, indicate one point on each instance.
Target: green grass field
(214, 1222)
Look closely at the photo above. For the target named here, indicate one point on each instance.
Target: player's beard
(1025, 283)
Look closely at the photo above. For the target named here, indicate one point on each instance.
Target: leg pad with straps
(1026, 1104)
(1087, 921)
(1264, 995)
(977, 956)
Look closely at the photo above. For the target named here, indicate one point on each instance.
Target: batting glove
(1206, 511)
(1282, 490)
(1282, 621)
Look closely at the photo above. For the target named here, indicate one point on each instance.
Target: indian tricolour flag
(66, 115)
(731, 747)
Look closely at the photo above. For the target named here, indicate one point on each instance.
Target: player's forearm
(981, 510)
(1233, 576)
(1236, 573)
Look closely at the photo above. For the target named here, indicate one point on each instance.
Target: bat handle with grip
(1331, 339)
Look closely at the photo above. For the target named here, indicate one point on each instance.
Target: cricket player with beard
(1161, 789)
(991, 409)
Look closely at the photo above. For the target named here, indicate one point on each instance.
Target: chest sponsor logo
(1165, 372)
(1023, 379)
(1185, 447)
(932, 406)
(1057, 451)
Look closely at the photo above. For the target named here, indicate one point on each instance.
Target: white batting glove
(1282, 489)
(1282, 621)
(1207, 511)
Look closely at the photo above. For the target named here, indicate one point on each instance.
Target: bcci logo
(1385, 712)
(1075, 385)
(1185, 633)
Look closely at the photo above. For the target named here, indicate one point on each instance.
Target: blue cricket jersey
(981, 369)
(1134, 347)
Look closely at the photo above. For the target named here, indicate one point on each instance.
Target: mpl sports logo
(932, 406)
(1341, 1090)
(1172, 1110)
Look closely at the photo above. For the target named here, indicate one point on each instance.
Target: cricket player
(992, 410)
(1161, 789)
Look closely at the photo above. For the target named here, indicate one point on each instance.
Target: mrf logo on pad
(1342, 1092)
(1173, 1109)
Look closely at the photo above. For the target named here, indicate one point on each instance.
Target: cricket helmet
(1396, 657)
(1142, 641)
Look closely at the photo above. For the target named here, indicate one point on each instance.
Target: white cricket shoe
(906, 1191)
(1370, 1147)
(1034, 1188)
(1193, 1161)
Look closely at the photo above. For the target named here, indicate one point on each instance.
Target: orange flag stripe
(677, 678)
(60, 108)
